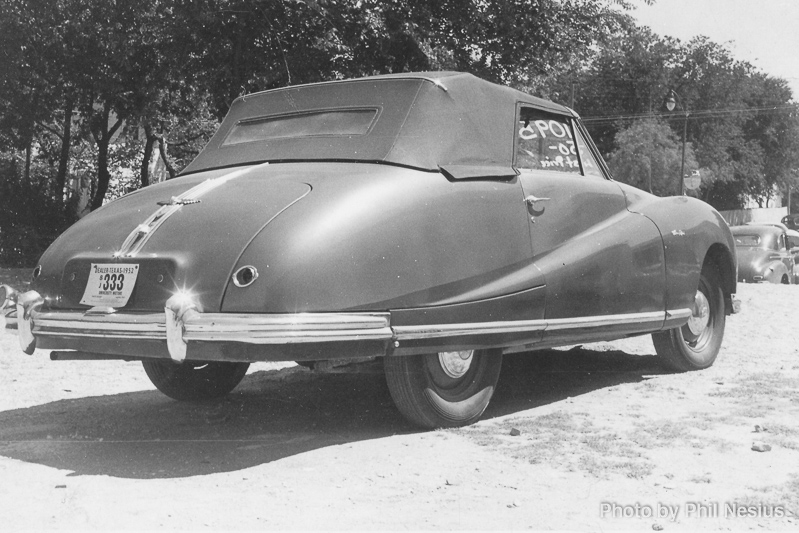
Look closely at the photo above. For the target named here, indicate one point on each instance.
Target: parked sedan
(421, 224)
(764, 254)
(793, 246)
(791, 221)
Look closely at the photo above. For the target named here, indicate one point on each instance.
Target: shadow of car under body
(270, 416)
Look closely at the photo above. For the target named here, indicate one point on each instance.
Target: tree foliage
(741, 125)
(97, 91)
(648, 155)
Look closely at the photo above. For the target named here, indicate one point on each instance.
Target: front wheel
(194, 380)
(696, 345)
(445, 389)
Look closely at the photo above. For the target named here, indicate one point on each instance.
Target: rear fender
(775, 272)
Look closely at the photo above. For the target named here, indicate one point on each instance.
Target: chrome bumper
(182, 323)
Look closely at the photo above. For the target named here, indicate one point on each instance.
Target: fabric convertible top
(451, 121)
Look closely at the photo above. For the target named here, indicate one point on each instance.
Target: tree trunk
(144, 172)
(167, 163)
(63, 160)
(29, 144)
(103, 137)
(103, 176)
(28, 156)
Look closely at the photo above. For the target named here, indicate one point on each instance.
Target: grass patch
(601, 466)
(781, 430)
(785, 494)
(761, 385)
(662, 433)
(570, 442)
(784, 442)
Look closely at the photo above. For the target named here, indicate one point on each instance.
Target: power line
(695, 115)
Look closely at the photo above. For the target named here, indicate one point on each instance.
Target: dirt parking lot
(607, 440)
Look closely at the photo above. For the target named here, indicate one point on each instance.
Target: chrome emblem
(180, 201)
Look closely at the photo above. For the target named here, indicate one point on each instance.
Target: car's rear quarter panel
(377, 237)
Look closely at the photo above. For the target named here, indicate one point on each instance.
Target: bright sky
(763, 32)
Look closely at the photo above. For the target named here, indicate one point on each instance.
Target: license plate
(110, 285)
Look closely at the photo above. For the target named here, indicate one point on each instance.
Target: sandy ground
(608, 441)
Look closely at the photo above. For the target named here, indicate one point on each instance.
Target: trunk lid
(190, 242)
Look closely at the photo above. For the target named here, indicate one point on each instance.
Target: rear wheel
(196, 380)
(445, 389)
(696, 345)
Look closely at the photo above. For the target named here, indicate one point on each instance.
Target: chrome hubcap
(455, 364)
(698, 323)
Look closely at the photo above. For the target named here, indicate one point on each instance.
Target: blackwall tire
(437, 390)
(696, 345)
(192, 381)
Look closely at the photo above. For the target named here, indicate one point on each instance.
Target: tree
(740, 122)
(649, 156)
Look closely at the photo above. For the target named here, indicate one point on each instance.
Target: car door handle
(530, 200)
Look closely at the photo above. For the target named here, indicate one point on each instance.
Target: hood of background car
(191, 228)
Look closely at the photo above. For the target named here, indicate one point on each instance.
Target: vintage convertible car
(427, 223)
(765, 253)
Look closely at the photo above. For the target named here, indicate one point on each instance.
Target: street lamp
(672, 101)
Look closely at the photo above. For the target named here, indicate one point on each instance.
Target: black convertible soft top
(429, 120)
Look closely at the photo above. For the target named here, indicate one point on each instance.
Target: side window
(545, 141)
(590, 165)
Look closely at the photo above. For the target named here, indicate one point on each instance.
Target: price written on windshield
(558, 135)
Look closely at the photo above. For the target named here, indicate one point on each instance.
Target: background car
(420, 224)
(791, 221)
(764, 254)
(793, 244)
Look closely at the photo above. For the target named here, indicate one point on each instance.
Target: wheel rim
(452, 374)
(698, 332)
(700, 319)
(456, 364)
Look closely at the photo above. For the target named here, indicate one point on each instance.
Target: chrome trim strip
(151, 326)
(477, 328)
(600, 321)
(288, 329)
(677, 314)
(451, 330)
